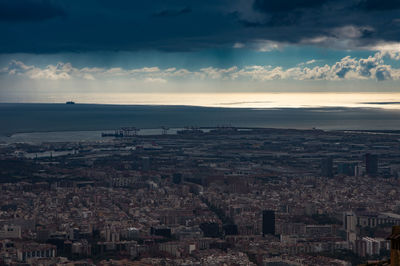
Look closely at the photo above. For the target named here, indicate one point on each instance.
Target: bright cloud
(348, 68)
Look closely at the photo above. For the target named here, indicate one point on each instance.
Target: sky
(119, 51)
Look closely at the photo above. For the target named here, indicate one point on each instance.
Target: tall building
(145, 163)
(210, 229)
(350, 226)
(268, 222)
(346, 169)
(327, 167)
(395, 246)
(371, 164)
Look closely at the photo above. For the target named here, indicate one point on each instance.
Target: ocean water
(61, 122)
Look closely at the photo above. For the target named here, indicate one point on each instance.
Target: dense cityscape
(206, 133)
(219, 196)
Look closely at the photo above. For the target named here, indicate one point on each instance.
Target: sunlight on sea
(246, 100)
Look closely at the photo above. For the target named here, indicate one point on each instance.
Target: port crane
(164, 130)
(129, 131)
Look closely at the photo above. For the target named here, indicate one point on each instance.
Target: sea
(59, 122)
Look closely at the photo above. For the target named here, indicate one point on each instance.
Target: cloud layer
(348, 68)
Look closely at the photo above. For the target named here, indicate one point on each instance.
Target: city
(217, 196)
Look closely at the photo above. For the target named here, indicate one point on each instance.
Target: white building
(10, 231)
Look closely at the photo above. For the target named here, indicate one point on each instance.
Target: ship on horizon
(70, 102)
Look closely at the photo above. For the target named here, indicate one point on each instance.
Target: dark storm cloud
(46, 26)
(172, 12)
(29, 10)
(376, 5)
(284, 6)
(285, 13)
(294, 21)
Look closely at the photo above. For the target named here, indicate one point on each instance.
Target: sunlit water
(247, 100)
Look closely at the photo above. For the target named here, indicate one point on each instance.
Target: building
(395, 246)
(346, 169)
(350, 226)
(26, 251)
(372, 219)
(371, 164)
(327, 167)
(10, 231)
(268, 222)
(373, 246)
(145, 163)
